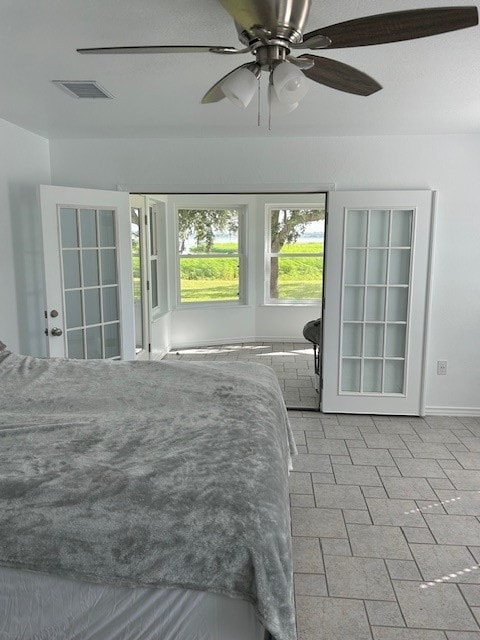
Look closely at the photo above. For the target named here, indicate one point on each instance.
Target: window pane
(296, 278)
(374, 340)
(94, 343)
(71, 269)
(352, 340)
(353, 303)
(401, 228)
(109, 267)
(112, 340)
(92, 306)
(73, 303)
(397, 304)
(75, 344)
(396, 340)
(377, 266)
(154, 272)
(90, 268)
(297, 230)
(351, 375)
(107, 228)
(210, 235)
(394, 376)
(68, 224)
(372, 376)
(208, 231)
(209, 279)
(110, 304)
(356, 228)
(355, 266)
(378, 231)
(399, 266)
(88, 225)
(375, 303)
(153, 232)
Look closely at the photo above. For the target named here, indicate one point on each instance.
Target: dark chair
(312, 332)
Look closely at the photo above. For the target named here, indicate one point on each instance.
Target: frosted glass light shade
(277, 107)
(239, 87)
(289, 82)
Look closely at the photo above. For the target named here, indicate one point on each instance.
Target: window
(153, 257)
(294, 254)
(210, 257)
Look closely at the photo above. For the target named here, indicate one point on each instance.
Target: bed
(143, 500)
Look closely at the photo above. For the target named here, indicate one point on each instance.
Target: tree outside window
(295, 255)
(209, 255)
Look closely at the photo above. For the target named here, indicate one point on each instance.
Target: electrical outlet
(441, 367)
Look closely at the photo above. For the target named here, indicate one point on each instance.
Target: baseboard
(452, 411)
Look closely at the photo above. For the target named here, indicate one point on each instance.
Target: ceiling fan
(271, 29)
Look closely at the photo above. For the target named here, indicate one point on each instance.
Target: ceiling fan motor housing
(272, 20)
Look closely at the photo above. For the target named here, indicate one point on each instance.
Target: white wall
(448, 164)
(24, 164)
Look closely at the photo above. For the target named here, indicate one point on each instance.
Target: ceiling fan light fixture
(289, 83)
(277, 107)
(240, 87)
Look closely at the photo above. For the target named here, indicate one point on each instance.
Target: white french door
(376, 286)
(88, 273)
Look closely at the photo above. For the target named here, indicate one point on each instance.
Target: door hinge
(148, 285)
(149, 348)
(146, 219)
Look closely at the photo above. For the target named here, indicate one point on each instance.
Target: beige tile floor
(385, 516)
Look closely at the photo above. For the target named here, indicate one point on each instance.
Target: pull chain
(270, 89)
(258, 101)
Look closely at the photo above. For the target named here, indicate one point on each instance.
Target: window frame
(290, 205)
(213, 204)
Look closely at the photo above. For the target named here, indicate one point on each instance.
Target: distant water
(318, 236)
(313, 237)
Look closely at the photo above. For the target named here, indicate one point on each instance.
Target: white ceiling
(431, 85)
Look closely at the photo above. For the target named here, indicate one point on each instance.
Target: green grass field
(216, 279)
(219, 290)
(207, 280)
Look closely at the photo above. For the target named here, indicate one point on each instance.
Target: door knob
(56, 331)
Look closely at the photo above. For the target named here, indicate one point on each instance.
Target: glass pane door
(376, 292)
(89, 260)
(375, 300)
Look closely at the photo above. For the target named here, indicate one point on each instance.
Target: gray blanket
(149, 474)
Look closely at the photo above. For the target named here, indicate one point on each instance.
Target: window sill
(211, 305)
(289, 303)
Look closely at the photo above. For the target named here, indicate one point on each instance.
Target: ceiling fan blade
(392, 27)
(215, 93)
(341, 76)
(164, 49)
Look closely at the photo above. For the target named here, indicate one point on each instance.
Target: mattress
(37, 606)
